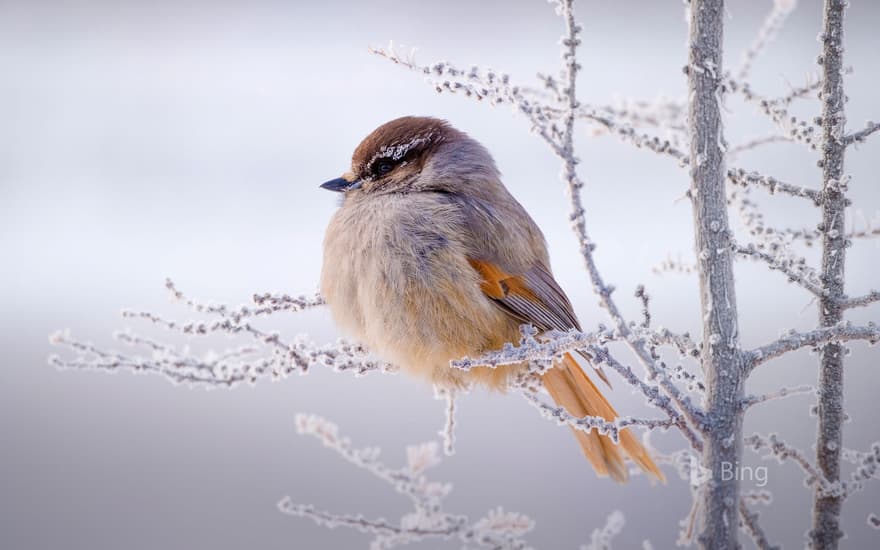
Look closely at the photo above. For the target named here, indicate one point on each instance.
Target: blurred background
(141, 140)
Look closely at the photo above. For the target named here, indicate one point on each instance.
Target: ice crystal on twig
(774, 21)
(601, 538)
(447, 434)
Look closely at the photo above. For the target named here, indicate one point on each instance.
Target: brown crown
(402, 138)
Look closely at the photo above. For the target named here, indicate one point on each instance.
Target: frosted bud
(785, 5)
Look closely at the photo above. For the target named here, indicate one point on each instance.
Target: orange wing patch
(499, 285)
(517, 297)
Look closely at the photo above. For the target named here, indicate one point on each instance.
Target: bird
(429, 258)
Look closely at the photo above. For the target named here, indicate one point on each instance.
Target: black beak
(341, 185)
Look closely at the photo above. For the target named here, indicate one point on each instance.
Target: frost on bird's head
(401, 140)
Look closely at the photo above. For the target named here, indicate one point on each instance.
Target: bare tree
(701, 397)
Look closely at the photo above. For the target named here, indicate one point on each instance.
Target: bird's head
(415, 154)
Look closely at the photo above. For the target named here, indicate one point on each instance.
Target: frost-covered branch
(782, 451)
(794, 268)
(601, 538)
(682, 343)
(268, 355)
(809, 236)
(773, 246)
(589, 423)
(551, 346)
(643, 297)
(210, 369)
(867, 466)
(498, 88)
(687, 416)
(861, 301)
(799, 130)
(480, 84)
(738, 176)
(755, 143)
(761, 496)
(675, 265)
(447, 434)
(781, 393)
(263, 304)
(664, 114)
(749, 523)
(498, 530)
(818, 338)
(638, 139)
(859, 137)
(813, 85)
(773, 22)
(868, 232)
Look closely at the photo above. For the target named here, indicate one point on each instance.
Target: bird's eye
(383, 167)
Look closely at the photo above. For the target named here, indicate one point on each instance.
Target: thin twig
(782, 451)
(738, 176)
(842, 332)
(751, 526)
(781, 393)
(861, 301)
(772, 23)
(861, 135)
(795, 269)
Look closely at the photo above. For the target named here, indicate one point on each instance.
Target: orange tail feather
(570, 388)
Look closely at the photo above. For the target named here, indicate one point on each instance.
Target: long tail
(572, 389)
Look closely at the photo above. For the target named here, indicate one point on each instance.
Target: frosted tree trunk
(826, 508)
(722, 360)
